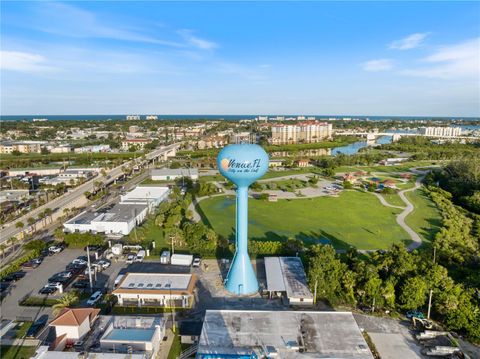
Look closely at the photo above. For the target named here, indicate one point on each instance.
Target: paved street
(70, 197)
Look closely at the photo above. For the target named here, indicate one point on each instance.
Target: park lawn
(393, 199)
(351, 219)
(426, 219)
(16, 352)
(403, 167)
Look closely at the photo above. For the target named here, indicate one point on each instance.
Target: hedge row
(15, 265)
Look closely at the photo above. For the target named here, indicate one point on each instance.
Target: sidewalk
(166, 345)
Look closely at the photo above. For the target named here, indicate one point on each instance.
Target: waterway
(353, 148)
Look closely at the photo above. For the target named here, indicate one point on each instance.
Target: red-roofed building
(73, 324)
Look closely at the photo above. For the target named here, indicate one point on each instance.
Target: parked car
(196, 262)
(131, 258)
(81, 284)
(55, 249)
(414, 313)
(47, 290)
(79, 261)
(103, 263)
(34, 263)
(94, 298)
(13, 277)
(35, 328)
(75, 268)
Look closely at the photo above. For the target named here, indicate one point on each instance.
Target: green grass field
(426, 218)
(352, 219)
(16, 352)
(393, 199)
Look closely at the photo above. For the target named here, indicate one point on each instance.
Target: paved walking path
(400, 219)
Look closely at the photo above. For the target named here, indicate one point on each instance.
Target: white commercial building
(149, 195)
(440, 131)
(120, 219)
(156, 289)
(167, 174)
(133, 334)
(124, 216)
(284, 334)
(286, 276)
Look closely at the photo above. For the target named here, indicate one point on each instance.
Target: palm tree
(20, 225)
(31, 222)
(67, 300)
(48, 213)
(2, 248)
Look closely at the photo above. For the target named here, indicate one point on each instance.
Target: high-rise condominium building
(302, 132)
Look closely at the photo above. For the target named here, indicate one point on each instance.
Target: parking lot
(37, 278)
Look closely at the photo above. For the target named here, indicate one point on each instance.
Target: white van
(140, 256)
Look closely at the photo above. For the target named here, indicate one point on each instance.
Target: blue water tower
(242, 164)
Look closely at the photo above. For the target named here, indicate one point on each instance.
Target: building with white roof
(127, 334)
(286, 276)
(124, 216)
(43, 353)
(149, 195)
(156, 289)
(168, 174)
(285, 334)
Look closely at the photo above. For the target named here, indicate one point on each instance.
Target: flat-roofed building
(133, 335)
(43, 353)
(156, 289)
(150, 195)
(137, 143)
(440, 131)
(286, 276)
(170, 174)
(285, 334)
(120, 219)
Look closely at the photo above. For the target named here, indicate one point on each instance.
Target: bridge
(76, 195)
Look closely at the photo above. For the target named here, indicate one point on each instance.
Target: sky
(330, 58)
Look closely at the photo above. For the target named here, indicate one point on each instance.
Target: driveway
(392, 338)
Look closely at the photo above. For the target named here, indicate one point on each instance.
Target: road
(10, 230)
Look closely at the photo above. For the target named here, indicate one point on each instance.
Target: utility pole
(89, 269)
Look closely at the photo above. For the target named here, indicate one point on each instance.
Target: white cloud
(378, 65)
(196, 41)
(410, 42)
(23, 62)
(456, 61)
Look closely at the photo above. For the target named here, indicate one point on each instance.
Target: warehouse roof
(317, 334)
(145, 193)
(286, 274)
(185, 172)
(121, 213)
(156, 283)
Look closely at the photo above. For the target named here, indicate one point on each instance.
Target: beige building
(302, 132)
(8, 147)
(138, 143)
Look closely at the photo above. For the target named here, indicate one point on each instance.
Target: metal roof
(286, 274)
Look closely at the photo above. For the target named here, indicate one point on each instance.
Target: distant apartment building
(7, 147)
(92, 149)
(440, 131)
(243, 137)
(302, 132)
(212, 142)
(59, 148)
(133, 117)
(138, 143)
(151, 117)
(134, 129)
